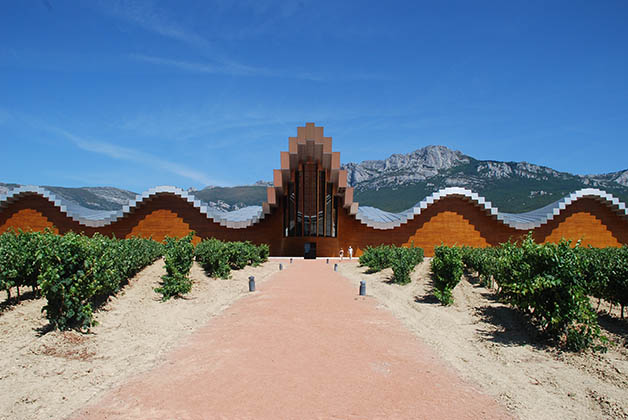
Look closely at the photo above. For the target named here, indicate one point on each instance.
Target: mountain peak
(418, 165)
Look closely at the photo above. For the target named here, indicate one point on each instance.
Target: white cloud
(124, 153)
(144, 15)
(232, 68)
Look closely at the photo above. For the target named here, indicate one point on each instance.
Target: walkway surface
(304, 346)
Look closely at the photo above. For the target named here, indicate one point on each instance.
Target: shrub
(78, 273)
(481, 261)
(447, 268)
(618, 280)
(219, 258)
(403, 260)
(21, 259)
(376, 258)
(606, 273)
(548, 282)
(178, 257)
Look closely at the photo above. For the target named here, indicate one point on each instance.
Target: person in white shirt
(350, 252)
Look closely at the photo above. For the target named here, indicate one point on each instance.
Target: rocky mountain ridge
(402, 179)
(433, 161)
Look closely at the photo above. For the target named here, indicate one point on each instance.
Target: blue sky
(136, 94)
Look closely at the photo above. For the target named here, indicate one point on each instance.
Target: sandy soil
(49, 375)
(490, 344)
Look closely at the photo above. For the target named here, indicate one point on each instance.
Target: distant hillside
(232, 198)
(95, 198)
(110, 198)
(397, 183)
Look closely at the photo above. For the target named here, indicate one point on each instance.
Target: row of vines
(551, 283)
(76, 273)
(402, 260)
(218, 258)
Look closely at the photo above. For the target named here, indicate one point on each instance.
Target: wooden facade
(310, 189)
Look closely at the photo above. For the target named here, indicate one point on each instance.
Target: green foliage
(213, 256)
(219, 258)
(376, 258)
(178, 257)
(482, 261)
(447, 268)
(78, 273)
(606, 273)
(403, 260)
(553, 282)
(20, 259)
(549, 282)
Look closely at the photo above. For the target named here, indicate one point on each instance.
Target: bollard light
(362, 288)
(290, 260)
(327, 260)
(280, 266)
(251, 284)
(335, 267)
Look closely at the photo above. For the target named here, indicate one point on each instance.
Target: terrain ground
(52, 375)
(492, 345)
(48, 375)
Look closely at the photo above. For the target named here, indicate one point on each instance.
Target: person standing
(350, 252)
(342, 253)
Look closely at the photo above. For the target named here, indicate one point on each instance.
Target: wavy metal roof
(237, 219)
(370, 216)
(379, 219)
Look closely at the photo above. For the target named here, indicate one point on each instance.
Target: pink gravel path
(304, 346)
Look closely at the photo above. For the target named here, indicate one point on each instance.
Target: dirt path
(304, 346)
(491, 345)
(49, 376)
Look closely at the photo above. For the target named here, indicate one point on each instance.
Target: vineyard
(76, 274)
(552, 284)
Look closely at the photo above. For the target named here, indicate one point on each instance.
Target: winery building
(310, 209)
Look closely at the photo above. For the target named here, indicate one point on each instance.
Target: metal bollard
(251, 284)
(290, 260)
(327, 260)
(280, 266)
(335, 267)
(362, 288)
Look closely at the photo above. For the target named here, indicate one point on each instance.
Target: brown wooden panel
(28, 220)
(449, 228)
(11, 215)
(585, 227)
(589, 220)
(161, 223)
